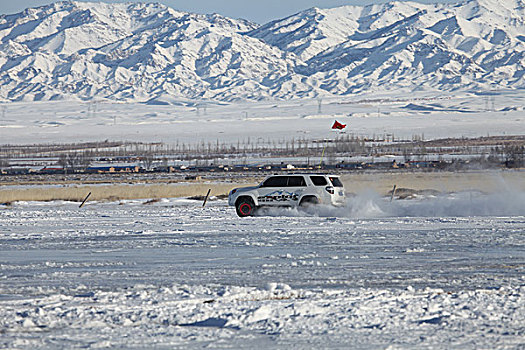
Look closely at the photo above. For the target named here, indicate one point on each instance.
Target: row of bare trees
(75, 160)
(80, 156)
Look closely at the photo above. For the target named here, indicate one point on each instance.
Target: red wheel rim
(245, 209)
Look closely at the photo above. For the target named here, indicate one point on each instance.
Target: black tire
(245, 207)
(308, 201)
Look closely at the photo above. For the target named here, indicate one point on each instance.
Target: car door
(271, 192)
(295, 187)
(320, 182)
(281, 190)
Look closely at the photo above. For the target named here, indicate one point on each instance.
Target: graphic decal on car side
(278, 196)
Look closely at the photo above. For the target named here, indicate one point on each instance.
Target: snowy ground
(434, 272)
(437, 115)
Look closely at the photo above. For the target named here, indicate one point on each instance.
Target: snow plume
(463, 204)
(370, 204)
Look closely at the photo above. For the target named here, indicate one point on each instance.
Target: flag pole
(322, 156)
(337, 126)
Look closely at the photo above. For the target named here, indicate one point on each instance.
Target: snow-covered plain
(435, 272)
(429, 115)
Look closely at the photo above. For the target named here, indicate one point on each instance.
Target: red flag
(338, 126)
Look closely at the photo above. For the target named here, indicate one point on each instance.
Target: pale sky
(257, 11)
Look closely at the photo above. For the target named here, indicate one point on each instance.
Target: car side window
(275, 181)
(318, 180)
(296, 181)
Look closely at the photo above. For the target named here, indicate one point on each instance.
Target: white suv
(288, 190)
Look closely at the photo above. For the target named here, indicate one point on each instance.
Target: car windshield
(336, 182)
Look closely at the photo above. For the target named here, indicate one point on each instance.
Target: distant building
(114, 169)
(51, 170)
(15, 171)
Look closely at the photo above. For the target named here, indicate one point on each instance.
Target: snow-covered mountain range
(151, 53)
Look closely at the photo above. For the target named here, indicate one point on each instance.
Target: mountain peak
(149, 52)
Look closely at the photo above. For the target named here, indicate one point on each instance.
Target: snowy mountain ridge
(151, 53)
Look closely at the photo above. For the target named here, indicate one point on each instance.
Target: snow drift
(174, 275)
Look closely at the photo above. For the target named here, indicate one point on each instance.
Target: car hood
(246, 189)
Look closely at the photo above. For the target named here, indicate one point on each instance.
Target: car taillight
(330, 189)
(233, 191)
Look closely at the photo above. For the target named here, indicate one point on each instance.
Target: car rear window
(336, 182)
(296, 181)
(318, 180)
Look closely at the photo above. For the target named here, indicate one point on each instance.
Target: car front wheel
(245, 207)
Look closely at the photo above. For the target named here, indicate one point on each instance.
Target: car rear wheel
(308, 201)
(245, 207)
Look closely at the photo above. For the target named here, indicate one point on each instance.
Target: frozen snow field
(434, 115)
(436, 272)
